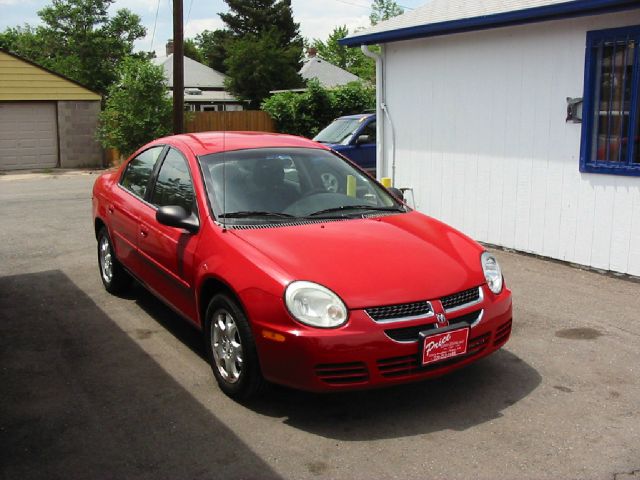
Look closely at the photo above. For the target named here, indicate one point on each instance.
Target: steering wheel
(330, 182)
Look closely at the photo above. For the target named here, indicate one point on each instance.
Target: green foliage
(260, 49)
(137, 109)
(254, 17)
(263, 48)
(192, 50)
(350, 59)
(309, 112)
(212, 46)
(78, 39)
(383, 10)
(256, 66)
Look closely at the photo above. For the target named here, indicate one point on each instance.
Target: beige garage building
(46, 120)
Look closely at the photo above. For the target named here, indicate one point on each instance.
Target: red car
(298, 267)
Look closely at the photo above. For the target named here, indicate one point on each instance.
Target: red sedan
(296, 265)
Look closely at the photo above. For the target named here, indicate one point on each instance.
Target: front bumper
(362, 354)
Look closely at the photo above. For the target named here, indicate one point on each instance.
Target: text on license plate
(441, 346)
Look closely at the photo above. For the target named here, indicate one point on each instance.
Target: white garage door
(28, 135)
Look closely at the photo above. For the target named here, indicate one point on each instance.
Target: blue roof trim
(576, 8)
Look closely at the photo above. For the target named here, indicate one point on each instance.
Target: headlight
(492, 272)
(315, 305)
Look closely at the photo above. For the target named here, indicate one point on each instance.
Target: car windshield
(277, 184)
(339, 131)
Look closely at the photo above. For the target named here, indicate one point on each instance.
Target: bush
(137, 109)
(309, 112)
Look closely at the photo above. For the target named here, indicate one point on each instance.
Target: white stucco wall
(481, 136)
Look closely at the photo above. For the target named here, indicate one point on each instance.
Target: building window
(611, 117)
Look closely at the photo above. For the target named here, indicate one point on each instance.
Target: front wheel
(231, 349)
(114, 277)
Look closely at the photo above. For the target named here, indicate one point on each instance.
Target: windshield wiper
(355, 207)
(255, 213)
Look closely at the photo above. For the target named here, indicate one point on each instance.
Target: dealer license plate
(444, 345)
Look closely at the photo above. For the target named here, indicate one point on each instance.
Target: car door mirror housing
(363, 139)
(176, 216)
(396, 192)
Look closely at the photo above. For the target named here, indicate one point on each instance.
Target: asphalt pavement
(99, 387)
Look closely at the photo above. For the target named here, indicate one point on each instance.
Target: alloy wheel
(106, 260)
(226, 346)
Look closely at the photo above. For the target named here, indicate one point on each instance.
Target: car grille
(412, 334)
(502, 333)
(342, 373)
(410, 364)
(403, 310)
(460, 298)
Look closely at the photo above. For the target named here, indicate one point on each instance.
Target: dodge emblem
(441, 318)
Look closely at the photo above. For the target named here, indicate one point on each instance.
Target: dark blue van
(354, 136)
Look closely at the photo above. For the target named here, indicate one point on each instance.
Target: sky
(317, 18)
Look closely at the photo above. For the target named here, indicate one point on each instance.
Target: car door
(364, 154)
(168, 252)
(127, 203)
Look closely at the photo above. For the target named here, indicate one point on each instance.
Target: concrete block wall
(77, 126)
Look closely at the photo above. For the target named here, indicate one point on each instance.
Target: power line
(354, 4)
(189, 12)
(155, 23)
(368, 7)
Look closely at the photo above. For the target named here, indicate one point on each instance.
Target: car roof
(204, 143)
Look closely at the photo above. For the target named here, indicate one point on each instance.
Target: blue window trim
(593, 166)
(571, 9)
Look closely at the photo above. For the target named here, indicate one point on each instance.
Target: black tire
(116, 279)
(249, 381)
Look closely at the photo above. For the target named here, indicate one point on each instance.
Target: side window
(174, 185)
(370, 130)
(138, 172)
(611, 117)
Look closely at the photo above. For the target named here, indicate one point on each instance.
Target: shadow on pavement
(471, 396)
(81, 400)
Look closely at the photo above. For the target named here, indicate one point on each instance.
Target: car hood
(376, 261)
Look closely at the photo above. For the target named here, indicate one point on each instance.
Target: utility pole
(178, 68)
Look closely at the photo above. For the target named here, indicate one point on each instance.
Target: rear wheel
(114, 277)
(231, 349)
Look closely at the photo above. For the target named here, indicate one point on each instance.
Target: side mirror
(363, 139)
(178, 217)
(396, 192)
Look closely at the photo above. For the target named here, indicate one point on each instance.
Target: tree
(255, 66)
(137, 109)
(350, 59)
(254, 17)
(262, 48)
(78, 39)
(212, 45)
(383, 10)
(192, 50)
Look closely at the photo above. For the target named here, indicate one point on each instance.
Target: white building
(474, 99)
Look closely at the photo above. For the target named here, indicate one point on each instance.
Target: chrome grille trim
(468, 304)
(478, 320)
